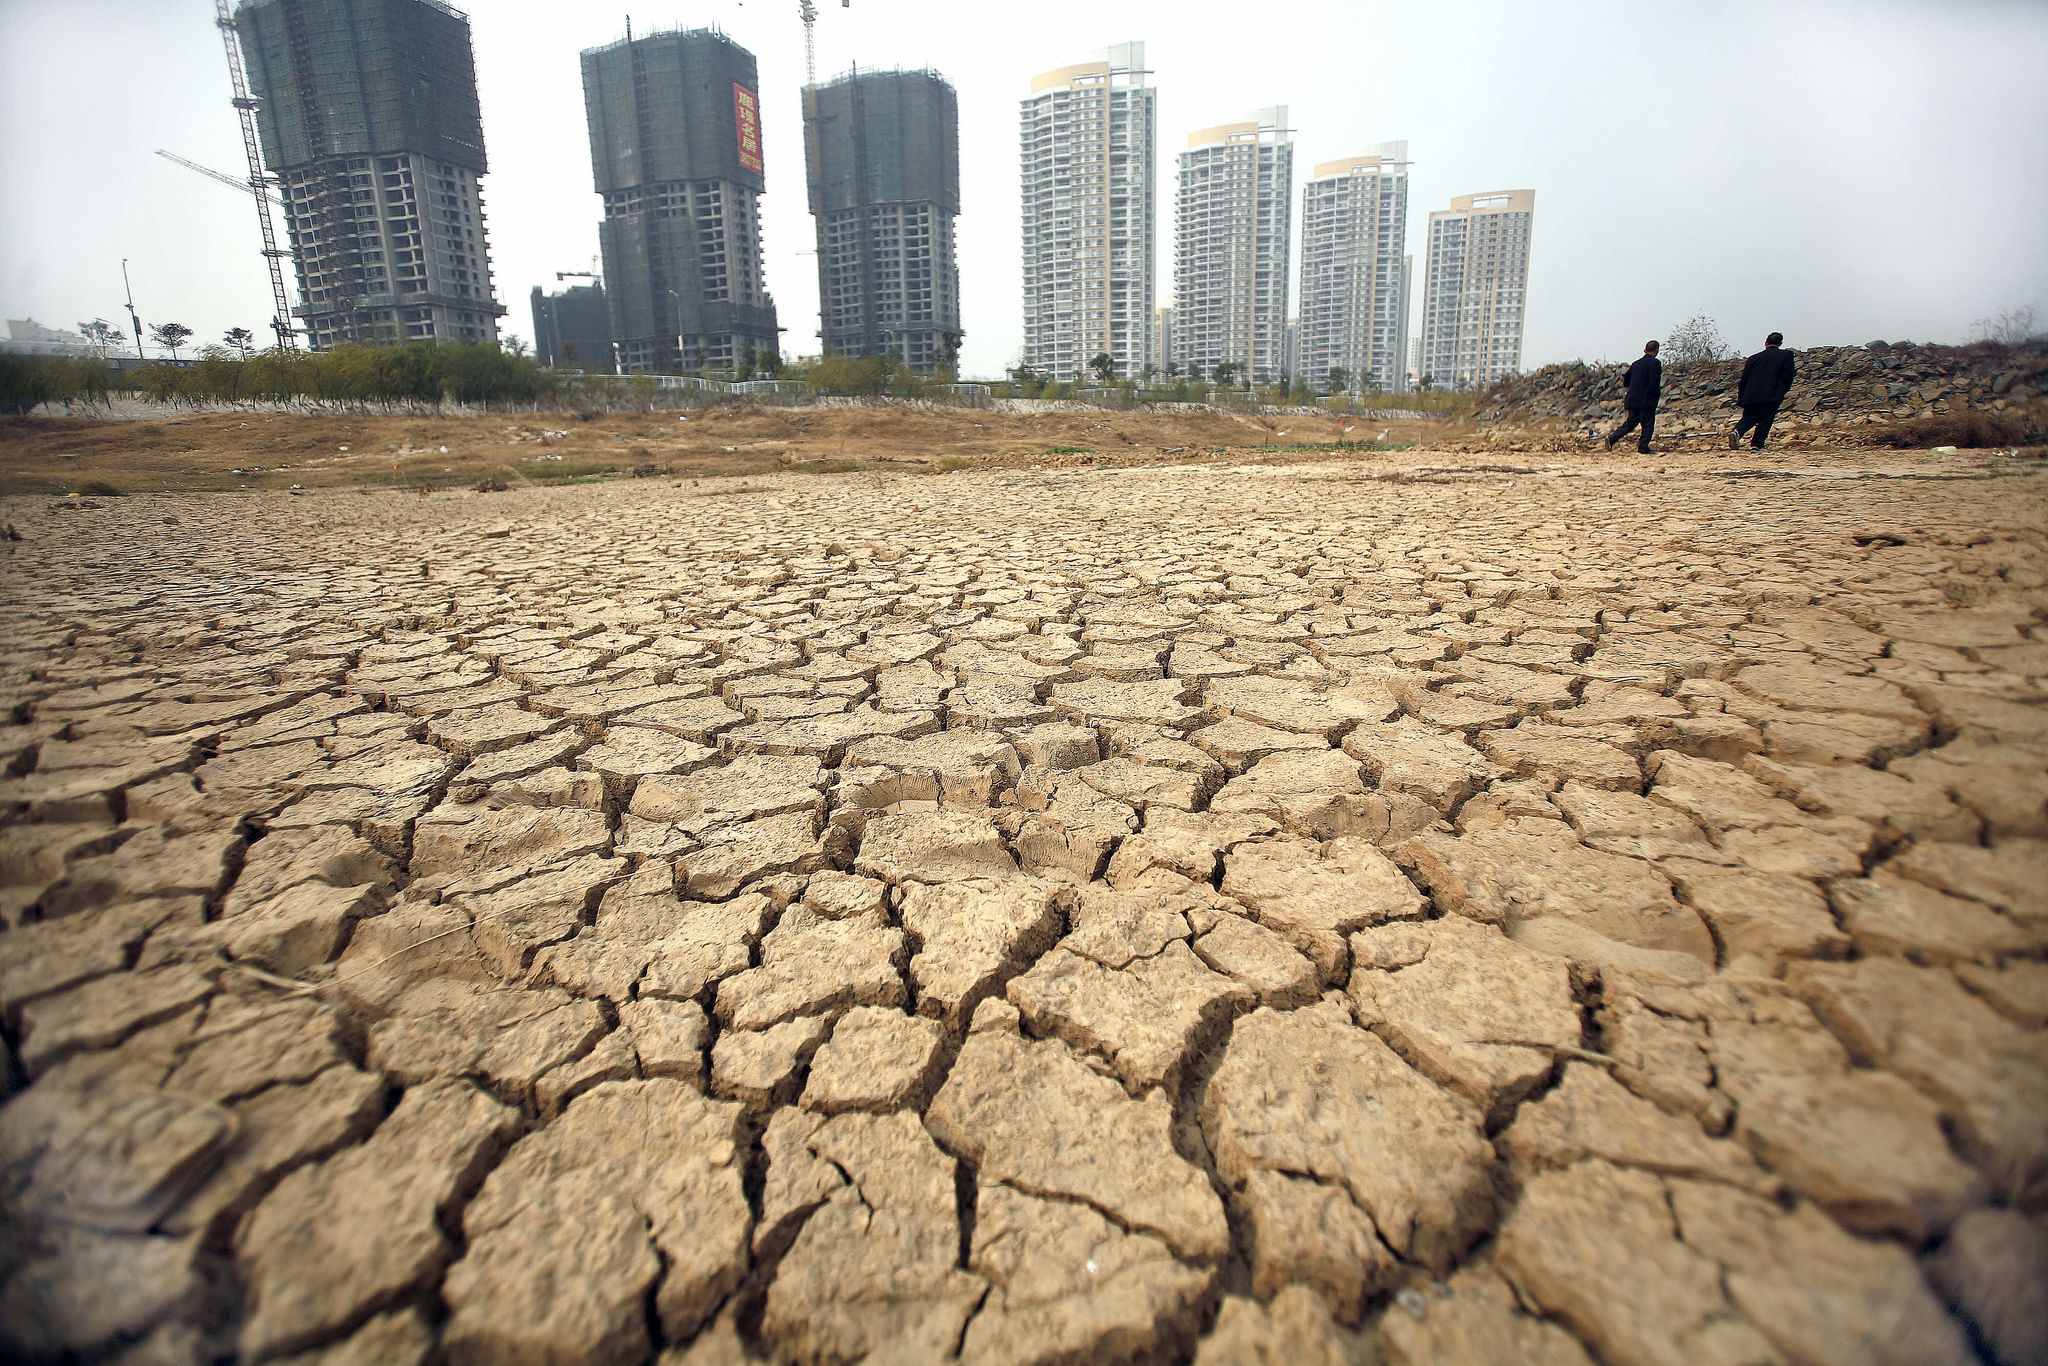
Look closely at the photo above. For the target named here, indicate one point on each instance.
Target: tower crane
(222, 176)
(258, 182)
(808, 9)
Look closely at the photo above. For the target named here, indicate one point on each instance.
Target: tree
(1103, 366)
(1173, 369)
(2011, 327)
(103, 335)
(1226, 373)
(242, 340)
(1697, 338)
(514, 345)
(170, 336)
(1148, 374)
(1339, 379)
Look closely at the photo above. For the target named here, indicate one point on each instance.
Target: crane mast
(245, 108)
(809, 11)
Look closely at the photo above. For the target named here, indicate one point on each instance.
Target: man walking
(1645, 381)
(1766, 379)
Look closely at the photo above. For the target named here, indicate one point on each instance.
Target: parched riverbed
(1577, 911)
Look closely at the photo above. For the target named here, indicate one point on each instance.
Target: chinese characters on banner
(746, 108)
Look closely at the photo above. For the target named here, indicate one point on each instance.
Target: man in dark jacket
(1645, 381)
(1766, 379)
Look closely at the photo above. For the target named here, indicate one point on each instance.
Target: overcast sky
(1841, 170)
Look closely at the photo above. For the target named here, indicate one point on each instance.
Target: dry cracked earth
(1417, 913)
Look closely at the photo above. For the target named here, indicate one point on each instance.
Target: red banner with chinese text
(746, 109)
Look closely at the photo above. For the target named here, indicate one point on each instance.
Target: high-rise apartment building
(1354, 270)
(1162, 339)
(882, 157)
(572, 329)
(1476, 288)
(1233, 224)
(368, 115)
(1088, 138)
(675, 148)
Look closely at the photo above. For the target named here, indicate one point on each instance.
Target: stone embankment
(1882, 394)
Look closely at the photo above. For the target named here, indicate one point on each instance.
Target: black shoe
(1644, 450)
(1610, 443)
(1734, 440)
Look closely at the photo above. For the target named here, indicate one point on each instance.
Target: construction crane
(245, 108)
(222, 176)
(809, 10)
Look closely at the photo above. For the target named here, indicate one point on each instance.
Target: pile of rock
(1877, 386)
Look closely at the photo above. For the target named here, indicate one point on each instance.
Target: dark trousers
(1646, 418)
(1759, 416)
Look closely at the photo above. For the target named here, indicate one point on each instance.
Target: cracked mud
(1410, 913)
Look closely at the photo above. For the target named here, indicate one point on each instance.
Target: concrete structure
(1162, 339)
(1476, 290)
(1354, 270)
(572, 329)
(1233, 225)
(675, 150)
(1089, 134)
(27, 337)
(368, 116)
(882, 159)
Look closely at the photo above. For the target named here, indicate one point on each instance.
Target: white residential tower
(1088, 137)
(1355, 272)
(1233, 224)
(1476, 289)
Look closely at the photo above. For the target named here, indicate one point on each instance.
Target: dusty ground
(270, 450)
(1402, 908)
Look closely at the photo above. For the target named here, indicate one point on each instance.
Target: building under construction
(369, 120)
(572, 329)
(675, 148)
(882, 154)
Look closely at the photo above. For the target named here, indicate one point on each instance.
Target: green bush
(413, 374)
(27, 382)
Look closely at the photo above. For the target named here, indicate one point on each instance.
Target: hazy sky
(1838, 169)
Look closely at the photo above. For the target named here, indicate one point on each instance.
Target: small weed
(1069, 450)
(826, 467)
(953, 463)
(490, 486)
(98, 488)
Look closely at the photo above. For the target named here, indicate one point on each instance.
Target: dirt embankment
(238, 449)
(1881, 394)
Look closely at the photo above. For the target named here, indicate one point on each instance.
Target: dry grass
(260, 450)
(1970, 431)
